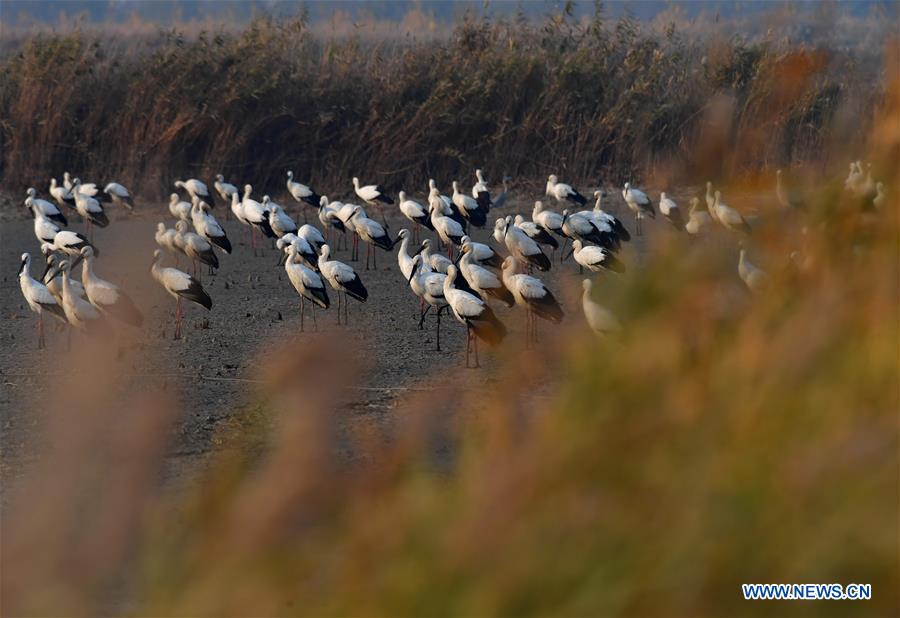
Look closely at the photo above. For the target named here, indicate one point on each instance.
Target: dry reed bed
(594, 101)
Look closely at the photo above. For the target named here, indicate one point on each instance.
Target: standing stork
(118, 194)
(196, 188)
(302, 193)
(522, 247)
(79, 312)
(482, 253)
(601, 320)
(89, 209)
(373, 234)
(753, 277)
(312, 235)
(482, 193)
(562, 191)
(478, 317)
(547, 219)
(309, 284)
(577, 226)
(38, 297)
(536, 232)
(61, 194)
(206, 226)
(105, 296)
(697, 218)
(429, 287)
(165, 238)
(196, 248)
(416, 213)
(178, 208)
(449, 230)
(531, 294)
(330, 219)
(728, 216)
(342, 279)
(45, 230)
(48, 209)
(671, 211)
(435, 261)
(639, 204)
(606, 222)
(279, 220)
(373, 195)
(481, 279)
(255, 216)
(596, 259)
(474, 213)
(180, 285)
(224, 189)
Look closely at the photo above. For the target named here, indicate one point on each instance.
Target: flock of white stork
(464, 285)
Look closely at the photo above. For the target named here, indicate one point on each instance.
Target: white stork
(415, 212)
(89, 209)
(195, 247)
(371, 194)
(48, 209)
(596, 259)
(105, 296)
(309, 284)
(196, 188)
(478, 317)
(728, 216)
(435, 261)
(373, 234)
(79, 312)
(118, 194)
(601, 320)
(562, 191)
(547, 219)
(38, 297)
(342, 279)
(697, 218)
(178, 208)
(448, 230)
(536, 232)
(61, 194)
(522, 247)
(279, 220)
(180, 285)
(301, 192)
(224, 189)
(639, 204)
(753, 277)
(429, 287)
(312, 235)
(481, 279)
(671, 211)
(468, 207)
(483, 253)
(531, 294)
(206, 226)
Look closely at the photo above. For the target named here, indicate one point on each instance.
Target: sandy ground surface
(254, 307)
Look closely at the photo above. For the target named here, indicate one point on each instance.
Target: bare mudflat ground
(212, 370)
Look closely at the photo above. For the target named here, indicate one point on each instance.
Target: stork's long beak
(571, 251)
(411, 274)
(419, 250)
(47, 269)
(21, 267)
